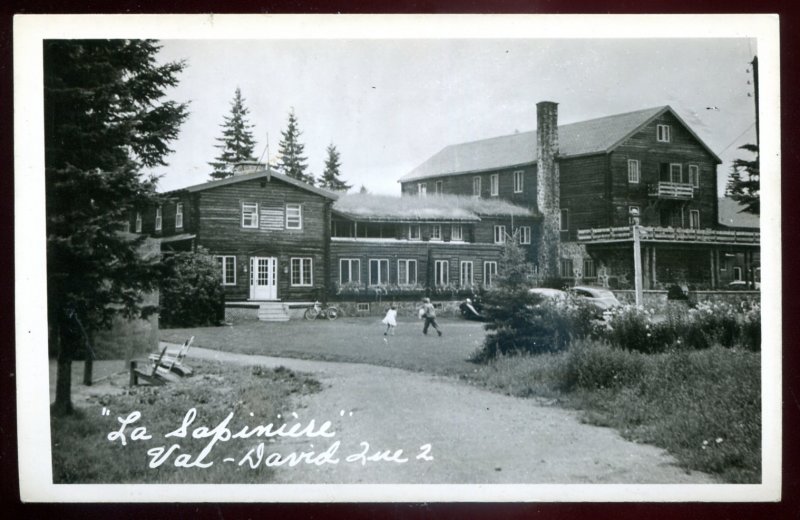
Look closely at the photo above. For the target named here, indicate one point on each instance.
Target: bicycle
(321, 311)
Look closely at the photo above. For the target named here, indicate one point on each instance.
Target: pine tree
(744, 183)
(105, 120)
(330, 177)
(291, 160)
(363, 190)
(236, 143)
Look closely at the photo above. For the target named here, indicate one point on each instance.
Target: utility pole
(637, 256)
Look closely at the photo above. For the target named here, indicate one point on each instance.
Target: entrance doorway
(263, 278)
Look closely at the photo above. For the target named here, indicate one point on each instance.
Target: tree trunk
(63, 403)
(87, 372)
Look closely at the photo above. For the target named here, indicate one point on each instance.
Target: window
(737, 273)
(439, 187)
(633, 171)
(456, 233)
(422, 189)
(466, 273)
(589, 270)
(378, 271)
(179, 215)
(566, 268)
(476, 186)
(525, 235)
(440, 273)
(249, 215)
(518, 181)
(499, 234)
(489, 273)
(406, 272)
(294, 216)
(301, 272)
(494, 184)
(694, 218)
(564, 220)
(159, 218)
(349, 270)
(227, 267)
(138, 222)
(694, 175)
(362, 307)
(662, 133)
(675, 172)
(413, 232)
(436, 232)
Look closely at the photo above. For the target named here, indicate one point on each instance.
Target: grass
(353, 340)
(701, 406)
(82, 452)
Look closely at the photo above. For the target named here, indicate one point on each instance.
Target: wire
(737, 138)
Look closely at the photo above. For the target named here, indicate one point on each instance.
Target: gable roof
(361, 206)
(594, 136)
(729, 213)
(263, 174)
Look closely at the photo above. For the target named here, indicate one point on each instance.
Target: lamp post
(637, 256)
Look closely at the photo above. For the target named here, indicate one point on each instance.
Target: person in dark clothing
(428, 313)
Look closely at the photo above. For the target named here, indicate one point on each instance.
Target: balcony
(672, 190)
(669, 234)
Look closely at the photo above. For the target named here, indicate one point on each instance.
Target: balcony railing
(669, 234)
(672, 190)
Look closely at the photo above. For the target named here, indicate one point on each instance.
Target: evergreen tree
(330, 177)
(236, 143)
(105, 120)
(744, 183)
(518, 321)
(363, 190)
(291, 160)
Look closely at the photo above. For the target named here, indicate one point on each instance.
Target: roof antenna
(266, 151)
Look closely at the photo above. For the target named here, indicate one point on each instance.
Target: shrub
(191, 293)
(594, 365)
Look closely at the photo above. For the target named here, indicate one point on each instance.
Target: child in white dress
(390, 320)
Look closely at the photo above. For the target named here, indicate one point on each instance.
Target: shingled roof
(447, 208)
(594, 136)
(261, 174)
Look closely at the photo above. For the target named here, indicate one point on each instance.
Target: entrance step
(273, 311)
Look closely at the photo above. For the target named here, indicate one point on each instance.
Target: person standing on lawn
(390, 320)
(429, 314)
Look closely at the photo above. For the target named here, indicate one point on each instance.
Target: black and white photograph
(398, 258)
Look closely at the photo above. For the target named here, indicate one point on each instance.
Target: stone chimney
(547, 188)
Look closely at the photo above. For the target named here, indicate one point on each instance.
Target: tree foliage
(236, 143)
(104, 121)
(191, 294)
(518, 321)
(291, 160)
(745, 181)
(331, 176)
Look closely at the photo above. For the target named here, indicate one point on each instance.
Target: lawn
(353, 340)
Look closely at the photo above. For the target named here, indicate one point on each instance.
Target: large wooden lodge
(566, 193)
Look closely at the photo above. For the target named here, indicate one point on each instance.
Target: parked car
(546, 293)
(602, 299)
(741, 285)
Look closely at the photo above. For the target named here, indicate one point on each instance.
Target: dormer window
(663, 133)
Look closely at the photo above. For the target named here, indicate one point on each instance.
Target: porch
(707, 259)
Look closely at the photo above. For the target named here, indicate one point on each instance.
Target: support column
(646, 268)
(713, 270)
(653, 258)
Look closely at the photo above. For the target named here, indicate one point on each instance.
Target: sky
(388, 105)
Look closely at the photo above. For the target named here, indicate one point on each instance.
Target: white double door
(263, 278)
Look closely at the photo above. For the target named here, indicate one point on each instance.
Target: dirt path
(475, 436)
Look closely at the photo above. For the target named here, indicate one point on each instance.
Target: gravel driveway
(474, 436)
